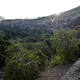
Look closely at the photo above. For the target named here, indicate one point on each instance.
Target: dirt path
(54, 73)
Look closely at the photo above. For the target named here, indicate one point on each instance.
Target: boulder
(73, 73)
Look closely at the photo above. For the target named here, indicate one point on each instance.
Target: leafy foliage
(3, 45)
(26, 57)
(21, 64)
(65, 44)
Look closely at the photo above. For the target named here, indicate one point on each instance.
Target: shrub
(59, 59)
(4, 43)
(22, 65)
(42, 58)
(65, 44)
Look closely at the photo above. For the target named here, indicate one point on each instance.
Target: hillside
(43, 25)
(50, 22)
(29, 46)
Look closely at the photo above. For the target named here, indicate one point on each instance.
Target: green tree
(65, 44)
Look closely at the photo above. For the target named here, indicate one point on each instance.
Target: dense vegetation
(25, 57)
(28, 46)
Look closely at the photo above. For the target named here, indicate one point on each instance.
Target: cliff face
(68, 19)
(49, 24)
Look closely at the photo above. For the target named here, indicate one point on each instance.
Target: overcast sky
(11, 9)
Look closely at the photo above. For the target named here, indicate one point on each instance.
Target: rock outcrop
(73, 73)
(54, 73)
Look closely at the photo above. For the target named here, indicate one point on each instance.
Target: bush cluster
(24, 60)
(21, 64)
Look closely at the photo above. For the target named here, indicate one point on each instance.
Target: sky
(16, 9)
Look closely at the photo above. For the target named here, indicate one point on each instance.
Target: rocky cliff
(68, 19)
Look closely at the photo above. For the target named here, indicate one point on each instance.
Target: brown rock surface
(73, 73)
(54, 73)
